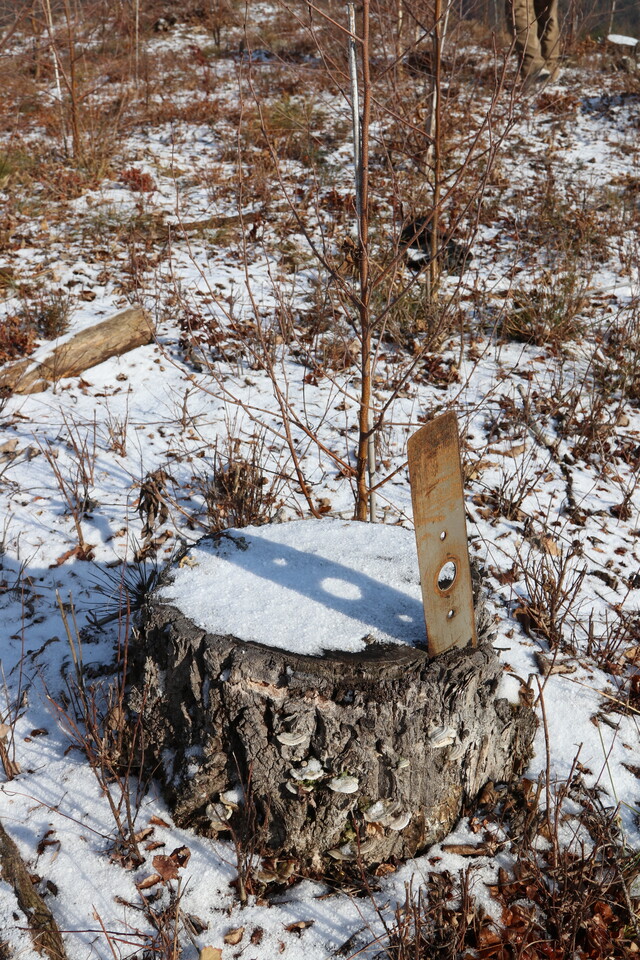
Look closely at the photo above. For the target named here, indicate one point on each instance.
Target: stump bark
(368, 756)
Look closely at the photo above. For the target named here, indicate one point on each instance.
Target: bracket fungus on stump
(367, 752)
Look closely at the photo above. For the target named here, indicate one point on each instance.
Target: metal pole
(357, 166)
(371, 467)
(355, 111)
(56, 70)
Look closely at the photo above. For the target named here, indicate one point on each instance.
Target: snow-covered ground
(538, 357)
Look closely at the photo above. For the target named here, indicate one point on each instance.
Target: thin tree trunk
(136, 41)
(365, 288)
(46, 6)
(435, 133)
(441, 22)
(399, 26)
(76, 135)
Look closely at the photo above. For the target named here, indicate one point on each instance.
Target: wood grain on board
(441, 534)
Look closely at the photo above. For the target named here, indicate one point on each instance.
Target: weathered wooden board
(441, 534)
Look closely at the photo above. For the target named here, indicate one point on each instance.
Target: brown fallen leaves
(210, 953)
(551, 903)
(167, 867)
(299, 926)
(79, 552)
(233, 937)
(538, 925)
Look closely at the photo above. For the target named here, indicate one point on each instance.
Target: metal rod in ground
(136, 69)
(355, 110)
(371, 468)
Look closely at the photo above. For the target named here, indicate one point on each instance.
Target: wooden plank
(441, 535)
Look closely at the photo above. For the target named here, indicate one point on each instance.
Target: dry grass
(552, 901)
(236, 488)
(548, 313)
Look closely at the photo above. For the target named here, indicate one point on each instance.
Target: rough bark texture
(423, 736)
(42, 927)
(124, 331)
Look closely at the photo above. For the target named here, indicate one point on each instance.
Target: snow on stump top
(291, 657)
(308, 587)
(620, 40)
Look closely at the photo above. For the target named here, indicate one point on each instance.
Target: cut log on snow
(119, 334)
(42, 926)
(370, 752)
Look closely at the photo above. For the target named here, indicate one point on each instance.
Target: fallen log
(119, 334)
(42, 926)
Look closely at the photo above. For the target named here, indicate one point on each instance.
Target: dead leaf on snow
(143, 834)
(549, 667)
(522, 615)
(47, 841)
(550, 546)
(8, 450)
(299, 926)
(631, 653)
(506, 577)
(384, 869)
(187, 562)
(632, 769)
(149, 882)
(81, 552)
(166, 867)
(181, 855)
(158, 822)
(210, 953)
(234, 936)
(466, 849)
(194, 924)
(474, 470)
(154, 845)
(513, 452)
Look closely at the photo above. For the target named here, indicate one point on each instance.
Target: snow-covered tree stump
(351, 740)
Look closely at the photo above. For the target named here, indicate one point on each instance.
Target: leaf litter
(547, 400)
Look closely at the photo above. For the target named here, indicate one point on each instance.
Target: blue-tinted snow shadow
(327, 582)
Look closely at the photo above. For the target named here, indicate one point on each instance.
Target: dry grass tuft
(236, 489)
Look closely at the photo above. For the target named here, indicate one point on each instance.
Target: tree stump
(367, 754)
